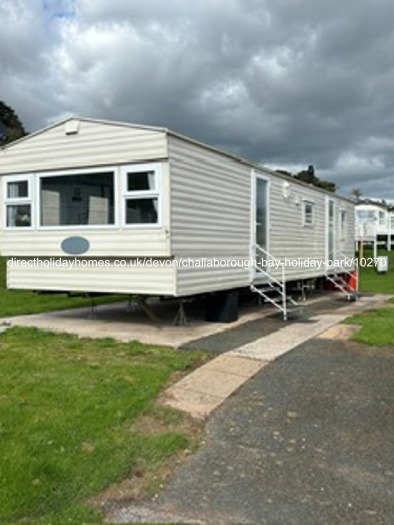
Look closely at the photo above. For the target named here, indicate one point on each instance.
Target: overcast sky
(286, 83)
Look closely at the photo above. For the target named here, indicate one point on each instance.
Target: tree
(308, 176)
(11, 128)
(357, 192)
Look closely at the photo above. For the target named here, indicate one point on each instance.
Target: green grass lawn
(372, 281)
(70, 412)
(377, 326)
(74, 413)
(20, 302)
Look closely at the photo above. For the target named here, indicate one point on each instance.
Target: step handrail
(343, 285)
(350, 272)
(272, 258)
(281, 284)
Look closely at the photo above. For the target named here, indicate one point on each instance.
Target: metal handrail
(349, 272)
(272, 258)
(280, 284)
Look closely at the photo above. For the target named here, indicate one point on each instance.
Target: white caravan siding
(288, 237)
(291, 239)
(210, 215)
(146, 279)
(110, 242)
(96, 144)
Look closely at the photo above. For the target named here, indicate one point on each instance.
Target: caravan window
(366, 215)
(308, 212)
(141, 194)
(18, 205)
(83, 199)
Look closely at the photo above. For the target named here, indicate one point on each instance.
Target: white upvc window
(142, 194)
(83, 198)
(18, 201)
(308, 213)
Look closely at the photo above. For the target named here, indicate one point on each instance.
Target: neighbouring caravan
(374, 223)
(107, 207)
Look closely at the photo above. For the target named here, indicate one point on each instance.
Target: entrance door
(331, 225)
(261, 218)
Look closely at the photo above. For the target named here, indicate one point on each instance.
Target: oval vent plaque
(75, 245)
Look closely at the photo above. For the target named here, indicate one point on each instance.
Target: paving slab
(340, 331)
(202, 391)
(278, 343)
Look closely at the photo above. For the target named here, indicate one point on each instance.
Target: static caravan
(106, 207)
(374, 223)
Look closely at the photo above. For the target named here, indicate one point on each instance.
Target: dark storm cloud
(286, 83)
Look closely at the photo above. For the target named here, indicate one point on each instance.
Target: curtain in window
(13, 190)
(151, 180)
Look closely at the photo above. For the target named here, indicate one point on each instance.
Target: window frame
(76, 172)
(156, 193)
(15, 201)
(305, 223)
(381, 219)
(343, 223)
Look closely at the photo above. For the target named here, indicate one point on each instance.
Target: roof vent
(71, 127)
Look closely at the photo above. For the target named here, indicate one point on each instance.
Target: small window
(343, 223)
(18, 206)
(309, 213)
(141, 194)
(19, 189)
(141, 211)
(141, 181)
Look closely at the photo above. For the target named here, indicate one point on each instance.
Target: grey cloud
(290, 82)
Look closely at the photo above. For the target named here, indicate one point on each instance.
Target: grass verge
(20, 302)
(377, 326)
(371, 280)
(77, 415)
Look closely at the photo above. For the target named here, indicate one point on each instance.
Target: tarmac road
(308, 441)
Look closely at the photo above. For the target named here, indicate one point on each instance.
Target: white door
(261, 222)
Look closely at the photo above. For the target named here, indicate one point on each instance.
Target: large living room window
(79, 199)
(141, 194)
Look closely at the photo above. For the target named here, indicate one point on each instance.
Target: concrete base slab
(115, 320)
